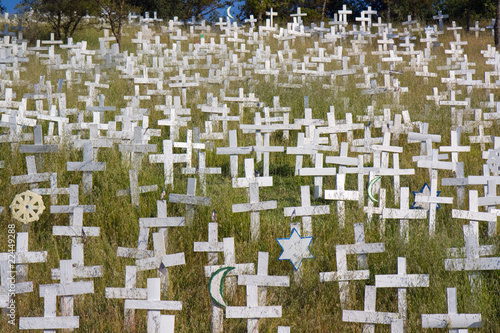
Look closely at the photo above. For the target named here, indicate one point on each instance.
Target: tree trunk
(467, 15)
(323, 10)
(388, 11)
(497, 27)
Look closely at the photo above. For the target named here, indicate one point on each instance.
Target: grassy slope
(309, 306)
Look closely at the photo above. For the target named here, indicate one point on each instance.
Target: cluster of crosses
(40, 122)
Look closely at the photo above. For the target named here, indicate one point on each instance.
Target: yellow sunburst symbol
(27, 207)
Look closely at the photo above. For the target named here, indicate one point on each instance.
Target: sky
(10, 4)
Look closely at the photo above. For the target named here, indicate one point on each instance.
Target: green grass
(308, 306)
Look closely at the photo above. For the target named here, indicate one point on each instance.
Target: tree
(64, 16)
(183, 9)
(497, 26)
(115, 12)
(466, 12)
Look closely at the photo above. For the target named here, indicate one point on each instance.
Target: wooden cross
(78, 234)
(341, 196)
(318, 172)
(167, 158)
(490, 198)
(7, 277)
(343, 14)
(271, 14)
(213, 247)
(452, 320)
(306, 211)
(431, 202)
(369, 316)
(72, 191)
(160, 260)
(298, 16)
(177, 116)
(262, 139)
(481, 138)
(154, 305)
(440, 18)
(38, 147)
(230, 261)
(402, 281)
(87, 166)
(33, 177)
(307, 146)
(473, 213)
(396, 172)
(135, 149)
(67, 289)
(202, 170)
(130, 291)
(333, 128)
(472, 262)
(454, 148)
(210, 134)
(22, 257)
(343, 275)
(162, 221)
(190, 200)
(233, 151)
(381, 152)
(256, 286)
(135, 189)
(254, 206)
(404, 213)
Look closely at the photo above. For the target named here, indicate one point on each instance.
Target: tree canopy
(64, 16)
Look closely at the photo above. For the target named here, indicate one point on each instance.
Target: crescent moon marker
(229, 12)
(370, 188)
(216, 285)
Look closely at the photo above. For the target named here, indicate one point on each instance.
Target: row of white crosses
(149, 298)
(69, 270)
(402, 281)
(317, 157)
(256, 284)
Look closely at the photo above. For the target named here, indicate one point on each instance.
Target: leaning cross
(190, 200)
(135, 189)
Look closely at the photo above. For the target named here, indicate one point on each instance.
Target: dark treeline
(65, 15)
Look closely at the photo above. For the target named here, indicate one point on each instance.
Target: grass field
(308, 306)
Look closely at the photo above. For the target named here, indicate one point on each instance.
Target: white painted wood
(404, 213)
(255, 205)
(451, 320)
(369, 317)
(343, 275)
(341, 195)
(153, 305)
(190, 199)
(402, 281)
(87, 166)
(306, 211)
(256, 286)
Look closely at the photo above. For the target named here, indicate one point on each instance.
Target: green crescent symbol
(216, 285)
(370, 186)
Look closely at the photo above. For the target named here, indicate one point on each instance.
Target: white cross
(452, 320)
(306, 211)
